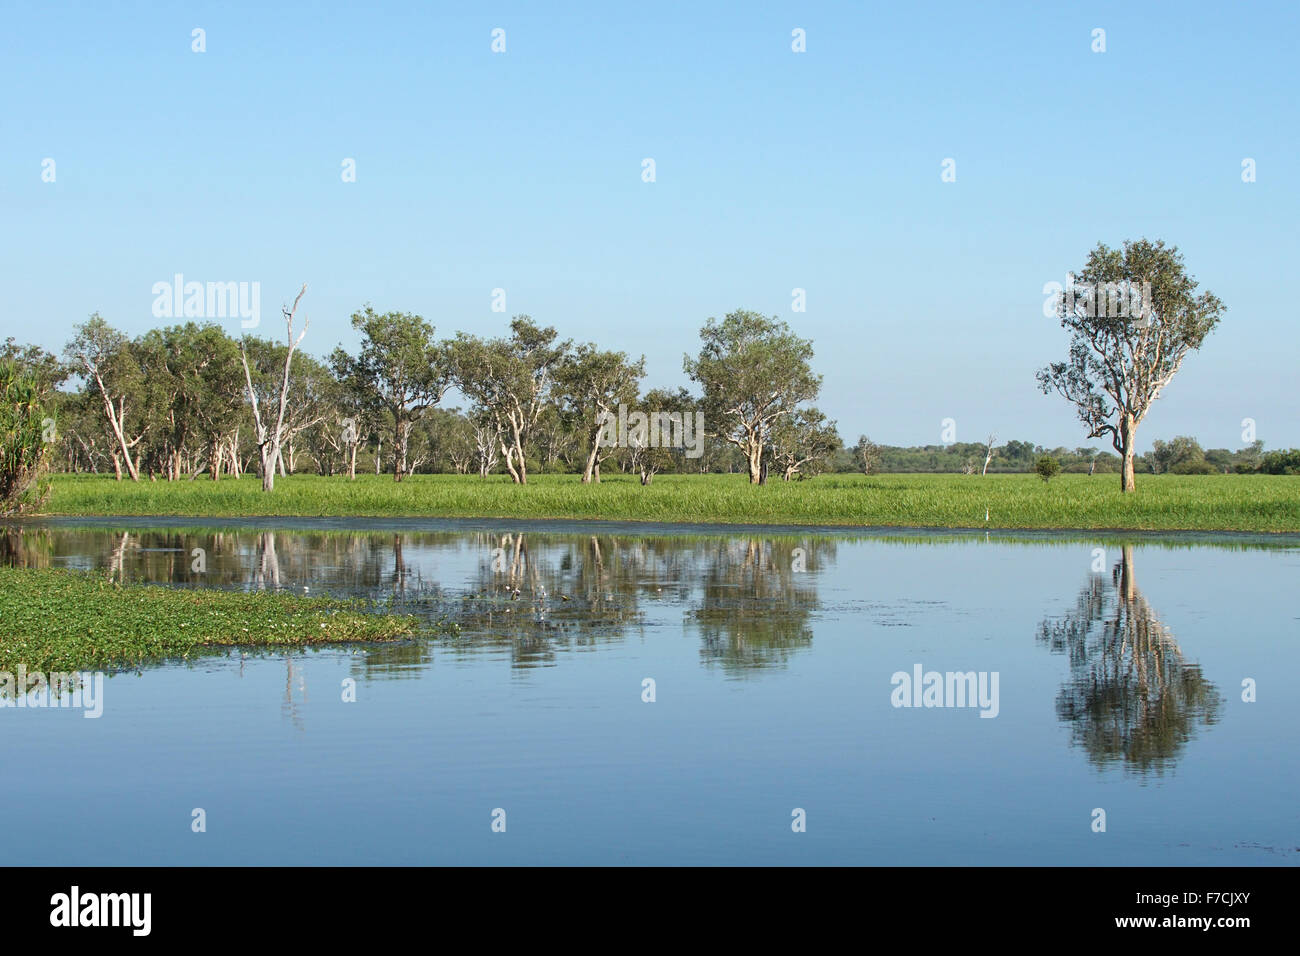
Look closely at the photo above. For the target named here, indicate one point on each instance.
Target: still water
(1113, 672)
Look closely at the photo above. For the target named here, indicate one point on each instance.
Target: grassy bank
(1161, 503)
(57, 620)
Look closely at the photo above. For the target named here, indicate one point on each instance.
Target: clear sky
(775, 170)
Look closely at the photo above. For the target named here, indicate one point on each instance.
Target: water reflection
(534, 596)
(530, 598)
(758, 597)
(1131, 697)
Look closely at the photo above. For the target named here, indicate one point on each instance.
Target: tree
(650, 441)
(867, 454)
(592, 384)
(1121, 358)
(753, 371)
(802, 443)
(43, 368)
(270, 434)
(510, 380)
(401, 367)
(195, 387)
(988, 454)
(1183, 451)
(110, 364)
(1047, 468)
(24, 449)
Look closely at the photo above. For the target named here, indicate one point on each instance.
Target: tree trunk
(403, 436)
(590, 471)
(1127, 433)
(269, 456)
(754, 455)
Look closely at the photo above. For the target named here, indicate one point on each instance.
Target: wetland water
(1111, 669)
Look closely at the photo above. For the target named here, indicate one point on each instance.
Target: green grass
(57, 620)
(1256, 503)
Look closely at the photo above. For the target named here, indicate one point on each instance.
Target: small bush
(1047, 468)
(1194, 468)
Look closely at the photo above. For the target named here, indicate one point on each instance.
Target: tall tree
(510, 380)
(109, 363)
(592, 384)
(270, 432)
(1122, 358)
(753, 371)
(803, 443)
(405, 371)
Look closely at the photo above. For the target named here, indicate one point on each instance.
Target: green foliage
(1281, 462)
(1047, 468)
(754, 371)
(58, 620)
(24, 451)
(1133, 316)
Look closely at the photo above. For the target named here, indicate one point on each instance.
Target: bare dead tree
(269, 439)
(988, 454)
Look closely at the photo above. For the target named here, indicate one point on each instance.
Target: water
(773, 655)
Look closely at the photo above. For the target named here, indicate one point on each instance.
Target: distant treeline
(1181, 456)
(189, 400)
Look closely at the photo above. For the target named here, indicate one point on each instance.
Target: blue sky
(775, 170)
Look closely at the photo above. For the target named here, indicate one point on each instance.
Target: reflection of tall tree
(291, 707)
(561, 594)
(117, 561)
(22, 548)
(266, 572)
(1130, 696)
(399, 565)
(755, 607)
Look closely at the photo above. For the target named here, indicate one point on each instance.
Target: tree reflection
(531, 596)
(1131, 696)
(757, 601)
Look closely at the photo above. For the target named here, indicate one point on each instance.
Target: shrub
(24, 453)
(1047, 468)
(1281, 462)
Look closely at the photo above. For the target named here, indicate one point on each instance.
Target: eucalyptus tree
(510, 380)
(867, 454)
(1125, 348)
(592, 383)
(400, 368)
(218, 407)
(802, 444)
(195, 381)
(110, 365)
(313, 401)
(754, 371)
(43, 368)
(653, 446)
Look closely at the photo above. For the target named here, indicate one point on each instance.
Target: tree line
(190, 401)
